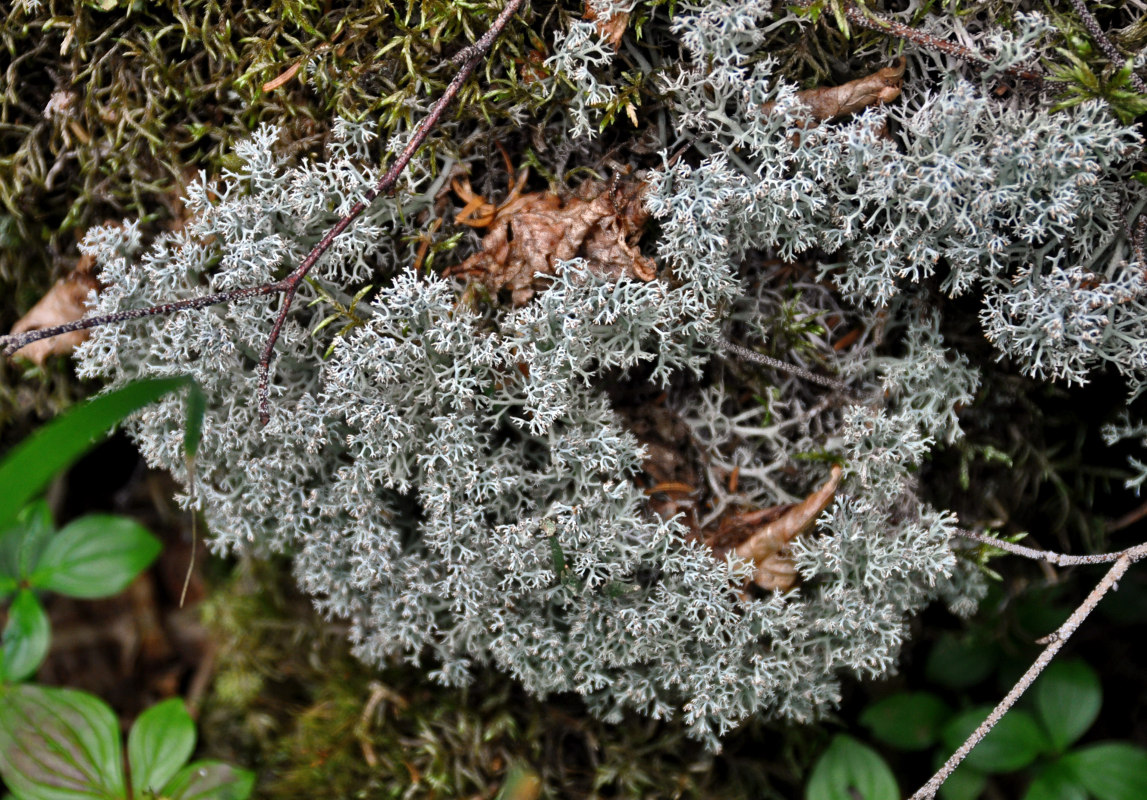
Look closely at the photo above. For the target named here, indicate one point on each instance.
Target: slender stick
(469, 57)
(1109, 49)
(783, 366)
(874, 22)
(1059, 559)
(1055, 640)
(13, 342)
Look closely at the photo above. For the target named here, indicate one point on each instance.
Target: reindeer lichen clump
(456, 480)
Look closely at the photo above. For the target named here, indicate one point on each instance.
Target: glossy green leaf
(160, 742)
(59, 744)
(1111, 771)
(27, 636)
(957, 662)
(29, 467)
(210, 780)
(849, 770)
(1067, 698)
(22, 545)
(908, 721)
(1057, 782)
(95, 556)
(1016, 741)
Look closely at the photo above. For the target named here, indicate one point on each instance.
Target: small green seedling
(57, 743)
(62, 743)
(94, 556)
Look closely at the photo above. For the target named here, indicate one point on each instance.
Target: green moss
(291, 702)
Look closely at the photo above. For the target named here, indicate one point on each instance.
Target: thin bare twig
(1059, 559)
(874, 22)
(470, 57)
(1105, 44)
(1055, 641)
(782, 366)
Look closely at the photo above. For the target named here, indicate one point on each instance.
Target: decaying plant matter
(62, 304)
(531, 233)
(830, 102)
(766, 545)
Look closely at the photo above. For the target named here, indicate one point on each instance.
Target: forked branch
(468, 59)
(1123, 560)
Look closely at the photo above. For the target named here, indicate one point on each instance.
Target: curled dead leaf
(828, 102)
(530, 233)
(63, 303)
(766, 546)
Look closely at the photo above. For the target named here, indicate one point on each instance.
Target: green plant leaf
(1016, 741)
(210, 780)
(1067, 698)
(908, 721)
(160, 742)
(59, 744)
(1111, 771)
(95, 556)
(957, 663)
(23, 543)
(26, 638)
(1057, 782)
(849, 770)
(29, 467)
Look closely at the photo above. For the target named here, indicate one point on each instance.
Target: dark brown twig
(874, 22)
(470, 57)
(1105, 44)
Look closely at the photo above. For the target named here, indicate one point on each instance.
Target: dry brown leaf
(827, 102)
(611, 28)
(63, 303)
(530, 233)
(766, 547)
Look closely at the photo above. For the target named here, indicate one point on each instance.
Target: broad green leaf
(160, 742)
(26, 638)
(958, 663)
(210, 780)
(29, 467)
(1057, 782)
(908, 721)
(849, 770)
(23, 543)
(1111, 771)
(1067, 699)
(95, 556)
(10, 542)
(59, 744)
(1016, 741)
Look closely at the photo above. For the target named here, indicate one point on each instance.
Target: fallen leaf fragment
(62, 304)
(282, 78)
(828, 102)
(767, 545)
(611, 28)
(531, 233)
